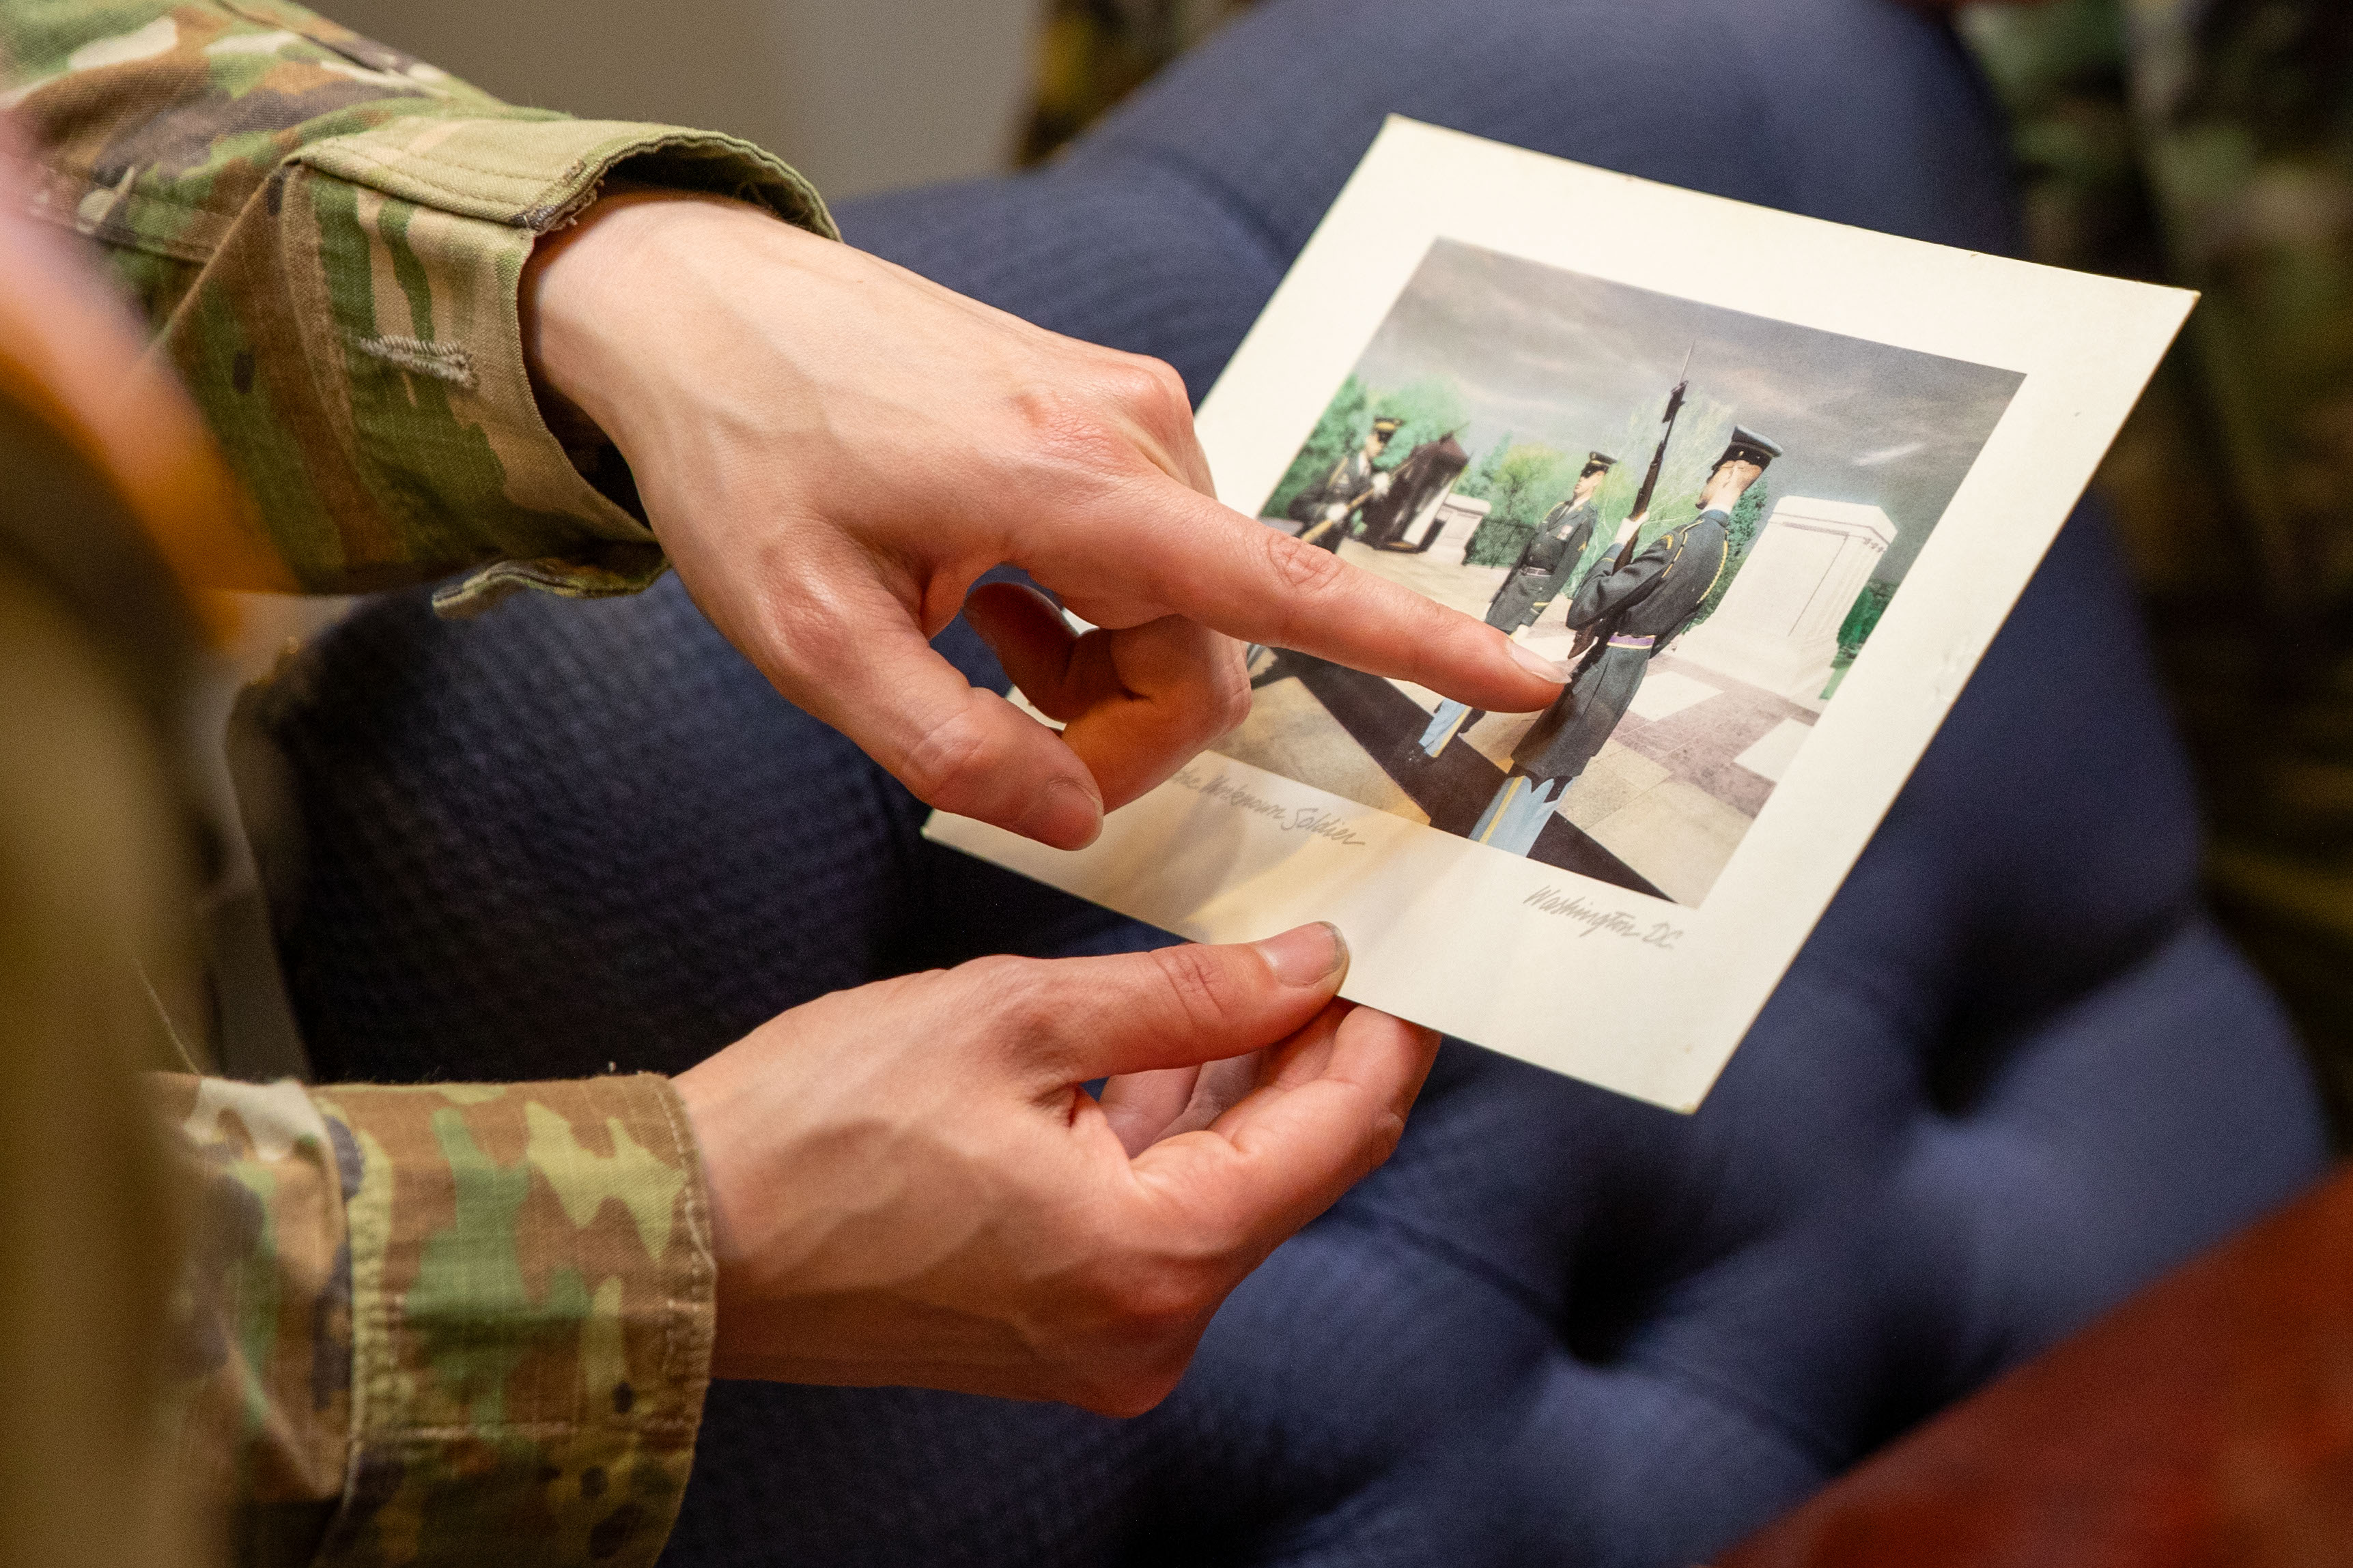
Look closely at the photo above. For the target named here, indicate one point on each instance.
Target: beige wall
(862, 95)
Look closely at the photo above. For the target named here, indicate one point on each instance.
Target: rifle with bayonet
(1641, 512)
(1632, 527)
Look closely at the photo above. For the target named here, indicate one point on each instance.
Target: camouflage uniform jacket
(453, 1324)
(326, 236)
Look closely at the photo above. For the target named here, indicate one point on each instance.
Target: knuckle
(947, 759)
(1131, 382)
(1169, 389)
(1147, 385)
(1237, 712)
(1138, 1313)
(1210, 704)
(1019, 997)
(1304, 571)
(1233, 691)
(1203, 986)
(1064, 430)
(1151, 1321)
(1160, 1301)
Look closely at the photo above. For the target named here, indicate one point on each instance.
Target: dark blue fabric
(1165, 231)
(2013, 1075)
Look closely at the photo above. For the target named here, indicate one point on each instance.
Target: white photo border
(1642, 996)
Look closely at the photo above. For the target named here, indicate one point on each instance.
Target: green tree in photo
(1863, 618)
(1522, 481)
(1432, 407)
(1346, 420)
(1478, 481)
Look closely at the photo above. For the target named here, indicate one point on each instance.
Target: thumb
(873, 677)
(1100, 1017)
(1329, 1107)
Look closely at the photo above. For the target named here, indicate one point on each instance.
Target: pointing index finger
(1205, 561)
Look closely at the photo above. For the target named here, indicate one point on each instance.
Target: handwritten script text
(1312, 820)
(1551, 901)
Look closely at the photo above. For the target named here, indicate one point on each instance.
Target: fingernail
(1536, 664)
(1308, 955)
(1064, 814)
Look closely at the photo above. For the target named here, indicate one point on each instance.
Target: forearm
(458, 1323)
(326, 238)
(1605, 592)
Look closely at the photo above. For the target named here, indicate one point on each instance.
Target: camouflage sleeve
(443, 1325)
(327, 239)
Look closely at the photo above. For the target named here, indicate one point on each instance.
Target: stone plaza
(1661, 808)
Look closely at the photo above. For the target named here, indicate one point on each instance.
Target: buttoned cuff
(532, 1314)
(359, 342)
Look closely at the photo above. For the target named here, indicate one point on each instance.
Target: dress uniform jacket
(1544, 566)
(1349, 478)
(1633, 612)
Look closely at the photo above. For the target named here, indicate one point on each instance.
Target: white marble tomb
(1457, 518)
(1778, 627)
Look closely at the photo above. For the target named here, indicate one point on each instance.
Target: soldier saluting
(1353, 481)
(1633, 610)
(1534, 580)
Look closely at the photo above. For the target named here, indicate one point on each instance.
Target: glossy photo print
(1761, 488)
(1702, 513)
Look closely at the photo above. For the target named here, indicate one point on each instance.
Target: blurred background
(2204, 142)
(859, 95)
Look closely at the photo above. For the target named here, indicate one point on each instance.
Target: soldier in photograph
(1535, 579)
(1325, 507)
(1632, 608)
(1552, 553)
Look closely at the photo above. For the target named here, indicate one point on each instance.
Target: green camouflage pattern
(420, 1326)
(327, 236)
(455, 1324)
(2209, 143)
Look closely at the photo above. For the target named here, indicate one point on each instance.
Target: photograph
(1704, 513)
(1760, 489)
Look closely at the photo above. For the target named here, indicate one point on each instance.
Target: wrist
(700, 1101)
(596, 299)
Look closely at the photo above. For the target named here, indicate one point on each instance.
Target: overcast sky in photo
(1544, 354)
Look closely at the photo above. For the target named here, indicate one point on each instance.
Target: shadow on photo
(1704, 513)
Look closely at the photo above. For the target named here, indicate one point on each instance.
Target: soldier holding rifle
(1633, 610)
(1550, 555)
(1549, 558)
(1325, 507)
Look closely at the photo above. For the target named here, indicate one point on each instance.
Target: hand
(910, 1185)
(832, 450)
